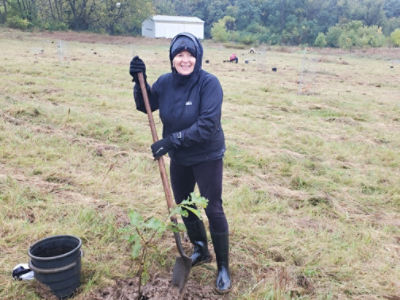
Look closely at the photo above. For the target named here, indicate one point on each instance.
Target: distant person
(189, 100)
(233, 58)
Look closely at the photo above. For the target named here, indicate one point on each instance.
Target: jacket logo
(188, 103)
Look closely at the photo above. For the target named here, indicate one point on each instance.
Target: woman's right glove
(161, 147)
(137, 66)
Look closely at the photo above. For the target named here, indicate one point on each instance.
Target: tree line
(104, 16)
(337, 23)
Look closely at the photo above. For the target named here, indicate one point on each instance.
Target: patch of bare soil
(158, 288)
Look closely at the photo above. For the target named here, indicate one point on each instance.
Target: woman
(189, 101)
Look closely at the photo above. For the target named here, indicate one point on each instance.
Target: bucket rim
(58, 256)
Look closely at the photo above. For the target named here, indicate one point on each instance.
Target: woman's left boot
(221, 247)
(198, 236)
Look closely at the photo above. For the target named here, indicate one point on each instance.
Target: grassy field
(312, 168)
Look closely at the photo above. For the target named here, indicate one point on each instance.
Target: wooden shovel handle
(161, 165)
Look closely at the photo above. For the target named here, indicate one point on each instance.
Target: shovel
(183, 264)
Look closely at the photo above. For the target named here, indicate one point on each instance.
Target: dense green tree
(324, 13)
(164, 7)
(320, 41)
(395, 37)
(3, 11)
(136, 12)
(354, 34)
(116, 16)
(370, 12)
(390, 25)
(392, 8)
(219, 30)
(215, 11)
(80, 13)
(26, 9)
(248, 12)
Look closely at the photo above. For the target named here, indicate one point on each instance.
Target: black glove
(162, 147)
(137, 66)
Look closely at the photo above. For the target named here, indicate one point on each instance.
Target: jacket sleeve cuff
(177, 139)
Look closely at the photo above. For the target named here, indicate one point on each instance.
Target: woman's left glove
(162, 147)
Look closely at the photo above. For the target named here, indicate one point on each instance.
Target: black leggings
(208, 176)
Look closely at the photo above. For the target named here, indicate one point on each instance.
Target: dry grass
(312, 168)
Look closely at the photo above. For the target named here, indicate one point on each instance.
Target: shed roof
(176, 19)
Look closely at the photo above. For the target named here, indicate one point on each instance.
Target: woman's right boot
(221, 247)
(198, 237)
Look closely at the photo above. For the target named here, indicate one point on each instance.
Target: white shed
(168, 26)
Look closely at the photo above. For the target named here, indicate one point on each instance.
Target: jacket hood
(186, 41)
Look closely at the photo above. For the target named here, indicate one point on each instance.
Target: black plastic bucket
(56, 262)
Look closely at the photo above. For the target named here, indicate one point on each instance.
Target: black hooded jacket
(190, 108)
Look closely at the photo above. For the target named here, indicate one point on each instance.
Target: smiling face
(184, 62)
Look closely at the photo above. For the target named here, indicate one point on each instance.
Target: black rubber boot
(198, 237)
(221, 248)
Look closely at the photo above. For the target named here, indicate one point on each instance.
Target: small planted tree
(143, 234)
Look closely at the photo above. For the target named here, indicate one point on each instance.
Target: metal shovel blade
(183, 264)
(181, 272)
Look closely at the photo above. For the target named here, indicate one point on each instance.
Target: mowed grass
(312, 168)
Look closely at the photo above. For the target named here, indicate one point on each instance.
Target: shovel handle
(161, 164)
